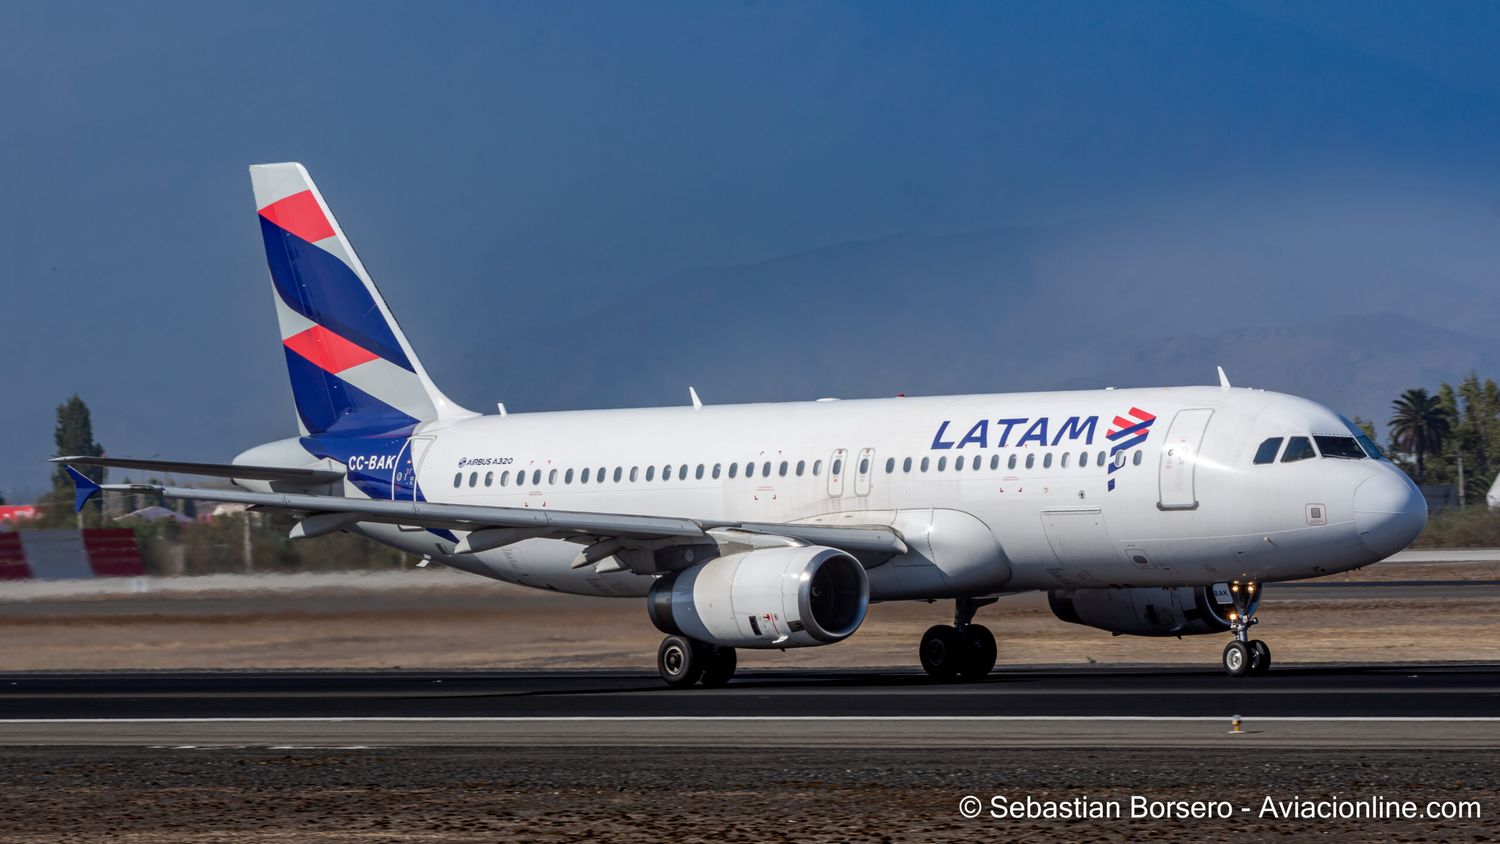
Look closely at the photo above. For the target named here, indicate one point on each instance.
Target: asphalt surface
(1371, 692)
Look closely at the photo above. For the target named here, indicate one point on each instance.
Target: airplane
(1147, 512)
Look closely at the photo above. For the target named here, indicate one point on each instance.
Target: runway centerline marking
(502, 719)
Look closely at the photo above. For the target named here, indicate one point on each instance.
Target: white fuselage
(988, 498)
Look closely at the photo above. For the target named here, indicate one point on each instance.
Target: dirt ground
(469, 622)
(635, 794)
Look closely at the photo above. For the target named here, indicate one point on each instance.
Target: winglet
(697, 402)
(84, 487)
(1223, 379)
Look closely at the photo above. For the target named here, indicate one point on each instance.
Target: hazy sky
(501, 164)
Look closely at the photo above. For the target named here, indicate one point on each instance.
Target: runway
(1390, 706)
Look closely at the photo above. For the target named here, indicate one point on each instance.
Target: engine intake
(791, 597)
(1147, 611)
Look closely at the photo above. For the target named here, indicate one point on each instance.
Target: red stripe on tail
(329, 351)
(300, 215)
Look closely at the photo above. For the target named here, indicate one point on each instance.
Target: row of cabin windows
(769, 468)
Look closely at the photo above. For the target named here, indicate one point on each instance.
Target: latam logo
(1128, 432)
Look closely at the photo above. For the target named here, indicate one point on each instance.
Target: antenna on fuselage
(1223, 379)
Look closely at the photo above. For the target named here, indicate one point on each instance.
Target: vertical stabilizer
(351, 367)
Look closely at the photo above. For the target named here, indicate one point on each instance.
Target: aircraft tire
(979, 652)
(720, 666)
(1260, 657)
(942, 652)
(680, 661)
(1236, 659)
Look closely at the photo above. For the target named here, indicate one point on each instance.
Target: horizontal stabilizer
(214, 470)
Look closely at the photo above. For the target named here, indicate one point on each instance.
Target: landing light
(1234, 616)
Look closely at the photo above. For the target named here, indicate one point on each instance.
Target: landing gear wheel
(979, 652)
(681, 661)
(942, 652)
(720, 667)
(1260, 657)
(1236, 659)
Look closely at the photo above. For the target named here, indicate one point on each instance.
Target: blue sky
(527, 162)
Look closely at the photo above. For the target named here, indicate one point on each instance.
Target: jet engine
(791, 597)
(1149, 611)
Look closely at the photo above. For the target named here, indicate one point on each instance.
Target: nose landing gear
(1244, 655)
(965, 651)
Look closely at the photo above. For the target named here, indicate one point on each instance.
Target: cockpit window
(1267, 451)
(1342, 447)
(1298, 448)
(1363, 439)
(1370, 447)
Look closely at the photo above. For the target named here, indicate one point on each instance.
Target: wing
(613, 541)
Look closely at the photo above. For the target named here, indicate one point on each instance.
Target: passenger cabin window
(1298, 448)
(505, 478)
(1030, 460)
(536, 477)
(942, 463)
(734, 469)
(1065, 459)
(1137, 458)
(1047, 460)
(568, 477)
(1346, 448)
(782, 471)
(994, 462)
(975, 464)
(817, 468)
(683, 470)
(458, 479)
(552, 477)
(1267, 451)
(650, 473)
(585, 478)
(906, 465)
(801, 467)
(924, 463)
(890, 465)
(1011, 464)
(489, 478)
(634, 472)
(718, 469)
(473, 479)
(1083, 458)
(838, 466)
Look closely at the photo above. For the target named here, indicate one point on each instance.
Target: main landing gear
(965, 651)
(1244, 655)
(684, 662)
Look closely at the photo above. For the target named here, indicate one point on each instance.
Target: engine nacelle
(1148, 610)
(793, 597)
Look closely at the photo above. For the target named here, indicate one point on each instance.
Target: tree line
(1432, 435)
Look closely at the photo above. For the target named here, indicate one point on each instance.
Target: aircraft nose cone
(1389, 512)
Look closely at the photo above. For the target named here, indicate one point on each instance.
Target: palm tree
(1419, 426)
